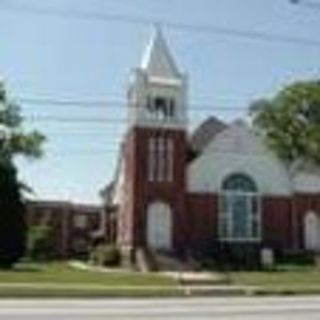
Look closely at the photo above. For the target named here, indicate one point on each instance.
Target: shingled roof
(205, 133)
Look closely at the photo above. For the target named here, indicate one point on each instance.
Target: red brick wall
(277, 222)
(276, 218)
(203, 218)
(59, 218)
(302, 203)
(53, 217)
(141, 192)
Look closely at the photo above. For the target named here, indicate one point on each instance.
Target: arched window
(159, 226)
(160, 108)
(239, 182)
(239, 209)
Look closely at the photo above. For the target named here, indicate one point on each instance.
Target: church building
(207, 192)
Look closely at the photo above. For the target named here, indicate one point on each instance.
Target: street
(173, 308)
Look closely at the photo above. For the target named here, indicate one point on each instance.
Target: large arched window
(239, 209)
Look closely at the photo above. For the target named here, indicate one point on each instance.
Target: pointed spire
(157, 60)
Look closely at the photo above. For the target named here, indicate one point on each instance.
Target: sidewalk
(96, 290)
(185, 277)
(87, 267)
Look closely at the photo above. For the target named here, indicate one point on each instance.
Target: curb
(25, 290)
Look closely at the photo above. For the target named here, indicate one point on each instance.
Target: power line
(76, 152)
(307, 4)
(110, 103)
(81, 133)
(67, 102)
(202, 29)
(96, 120)
(60, 119)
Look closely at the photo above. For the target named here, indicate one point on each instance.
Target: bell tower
(157, 90)
(154, 153)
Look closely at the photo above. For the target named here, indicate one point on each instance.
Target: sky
(61, 56)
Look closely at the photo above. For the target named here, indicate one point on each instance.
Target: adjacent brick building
(72, 227)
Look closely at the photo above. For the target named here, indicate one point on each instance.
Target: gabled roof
(205, 133)
(238, 148)
(157, 60)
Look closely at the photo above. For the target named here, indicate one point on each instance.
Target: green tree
(39, 243)
(12, 222)
(290, 121)
(14, 140)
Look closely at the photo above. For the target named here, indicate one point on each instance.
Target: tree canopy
(14, 140)
(290, 121)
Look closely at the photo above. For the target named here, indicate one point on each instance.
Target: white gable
(157, 60)
(306, 181)
(234, 150)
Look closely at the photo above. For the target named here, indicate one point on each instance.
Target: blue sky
(88, 59)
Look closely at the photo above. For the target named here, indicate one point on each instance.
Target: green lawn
(60, 280)
(61, 273)
(282, 277)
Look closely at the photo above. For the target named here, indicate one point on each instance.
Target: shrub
(39, 246)
(105, 255)
(297, 257)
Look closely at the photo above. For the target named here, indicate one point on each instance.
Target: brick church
(203, 192)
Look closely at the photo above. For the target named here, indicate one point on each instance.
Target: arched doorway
(312, 231)
(159, 226)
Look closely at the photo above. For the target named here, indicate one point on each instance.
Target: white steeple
(157, 60)
(157, 93)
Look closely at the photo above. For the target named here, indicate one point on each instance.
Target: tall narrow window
(152, 159)
(171, 112)
(169, 159)
(161, 167)
(160, 107)
(149, 108)
(160, 159)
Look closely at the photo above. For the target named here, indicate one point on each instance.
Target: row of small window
(160, 159)
(42, 217)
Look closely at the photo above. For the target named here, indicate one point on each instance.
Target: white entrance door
(159, 226)
(312, 231)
